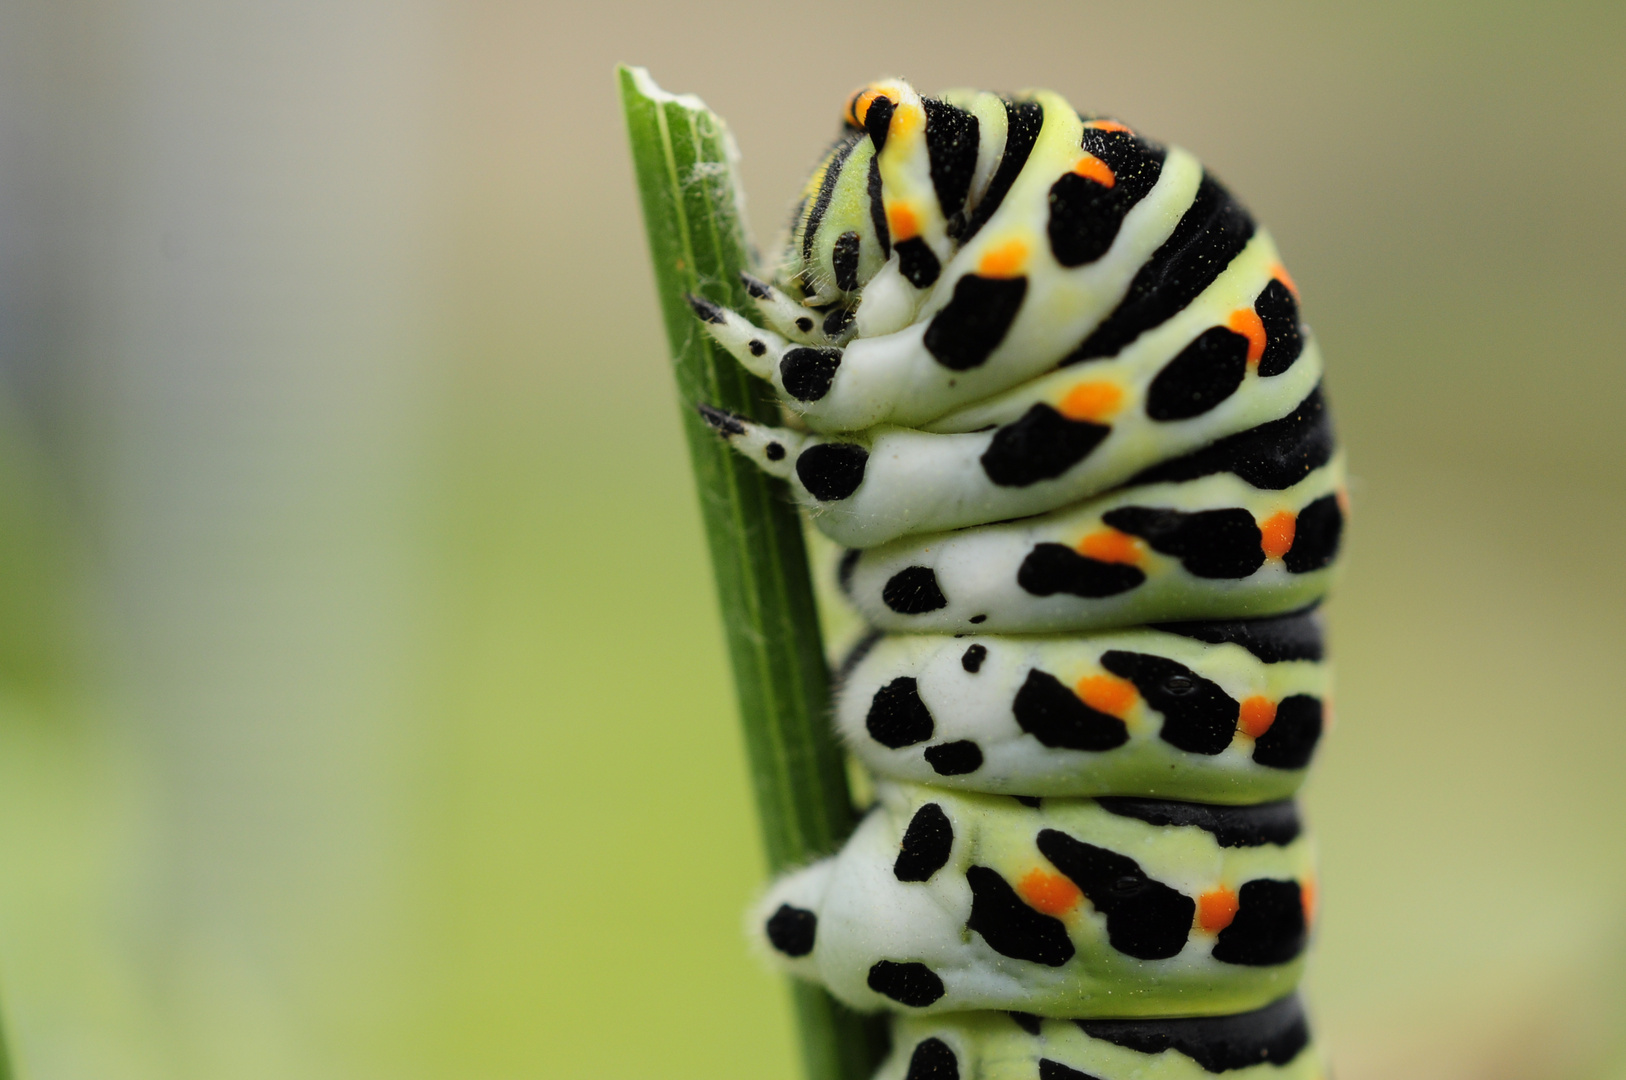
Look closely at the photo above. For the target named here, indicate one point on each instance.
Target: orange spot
(1279, 272)
(1308, 897)
(1110, 545)
(1216, 908)
(1276, 533)
(1093, 168)
(1246, 321)
(1256, 715)
(1004, 260)
(1050, 893)
(1107, 694)
(1107, 125)
(900, 218)
(1091, 401)
(1342, 495)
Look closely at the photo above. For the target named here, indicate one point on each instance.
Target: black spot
(908, 983)
(791, 930)
(1209, 543)
(1198, 716)
(837, 321)
(1316, 536)
(1032, 802)
(927, 843)
(973, 658)
(1084, 215)
(1055, 1070)
(1023, 119)
(878, 121)
(975, 619)
(1042, 445)
(803, 323)
(708, 311)
(1057, 568)
(913, 591)
(722, 421)
(757, 347)
(774, 451)
(1200, 376)
(844, 260)
(846, 568)
(1271, 457)
(1054, 715)
(807, 372)
(1295, 636)
(827, 188)
(1269, 925)
(755, 287)
(1290, 741)
(1027, 1022)
(1009, 926)
(1279, 313)
(1145, 918)
(897, 717)
(1232, 826)
(952, 140)
(933, 1060)
(1274, 1035)
(954, 758)
(974, 321)
(917, 262)
(1212, 232)
(877, 209)
(831, 471)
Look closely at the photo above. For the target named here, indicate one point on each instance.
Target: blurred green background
(363, 710)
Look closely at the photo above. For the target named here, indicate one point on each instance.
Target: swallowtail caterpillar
(1050, 390)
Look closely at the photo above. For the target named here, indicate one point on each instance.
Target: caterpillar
(1047, 384)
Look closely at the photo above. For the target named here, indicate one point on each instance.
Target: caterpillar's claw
(773, 449)
(805, 325)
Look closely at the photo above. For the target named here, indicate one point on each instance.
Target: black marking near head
(1269, 927)
(974, 321)
(1273, 1035)
(908, 982)
(722, 421)
(708, 311)
(1023, 119)
(792, 930)
(897, 717)
(1209, 543)
(1145, 918)
(844, 260)
(837, 320)
(755, 287)
(827, 188)
(807, 372)
(917, 262)
(861, 648)
(1009, 926)
(877, 208)
(1056, 568)
(1055, 1070)
(973, 658)
(1200, 376)
(803, 323)
(933, 1060)
(1316, 536)
(1212, 232)
(1291, 739)
(1041, 445)
(954, 758)
(1273, 456)
(831, 471)
(1279, 313)
(952, 139)
(927, 843)
(1232, 826)
(1198, 716)
(878, 121)
(1294, 636)
(913, 591)
(1085, 215)
(1053, 714)
(1027, 1022)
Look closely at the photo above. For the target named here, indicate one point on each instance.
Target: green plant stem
(684, 160)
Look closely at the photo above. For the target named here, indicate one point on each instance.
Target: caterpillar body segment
(1048, 384)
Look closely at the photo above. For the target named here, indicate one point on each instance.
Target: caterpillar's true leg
(774, 450)
(799, 323)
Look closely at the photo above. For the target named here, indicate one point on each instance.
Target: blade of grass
(684, 159)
